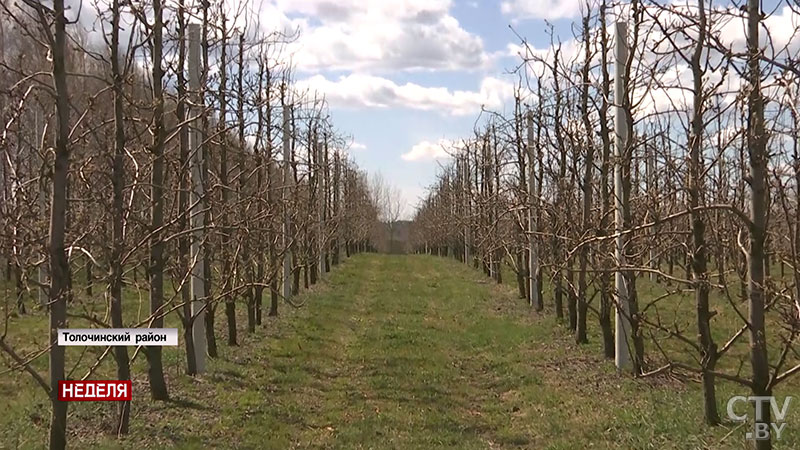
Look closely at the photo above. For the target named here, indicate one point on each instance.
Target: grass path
(411, 352)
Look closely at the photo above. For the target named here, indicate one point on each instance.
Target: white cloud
(664, 83)
(427, 150)
(377, 35)
(782, 36)
(672, 83)
(542, 9)
(359, 91)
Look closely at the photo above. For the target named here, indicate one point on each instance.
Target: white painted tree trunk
(467, 208)
(287, 185)
(337, 208)
(42, 272)
(533, 249)
(196, 215)
(320, 209)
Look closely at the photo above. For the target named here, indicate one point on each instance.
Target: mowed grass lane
(415, 352)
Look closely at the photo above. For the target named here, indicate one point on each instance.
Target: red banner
(94, 390)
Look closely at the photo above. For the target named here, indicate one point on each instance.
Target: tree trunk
(117, 238)
(759, 203)
(226, 255)
(606, 294)
(521, 275)
(558, 294)
(208, 254)
(337, 174)
(243, 265)
(59, 266)
(588, 189)
(155, 370)
(286, 196)
(274, 263)
(560, 224)
(698, 249)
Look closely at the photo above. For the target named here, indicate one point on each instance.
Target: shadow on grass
(186, 404)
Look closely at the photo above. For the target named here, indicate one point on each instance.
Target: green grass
(392, 352)
(676, 312)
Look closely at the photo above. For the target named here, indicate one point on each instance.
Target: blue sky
(404, 76)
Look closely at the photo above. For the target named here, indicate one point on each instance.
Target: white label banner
(147, 337)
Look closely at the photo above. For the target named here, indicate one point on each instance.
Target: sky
(404, 76)
(401, 77)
